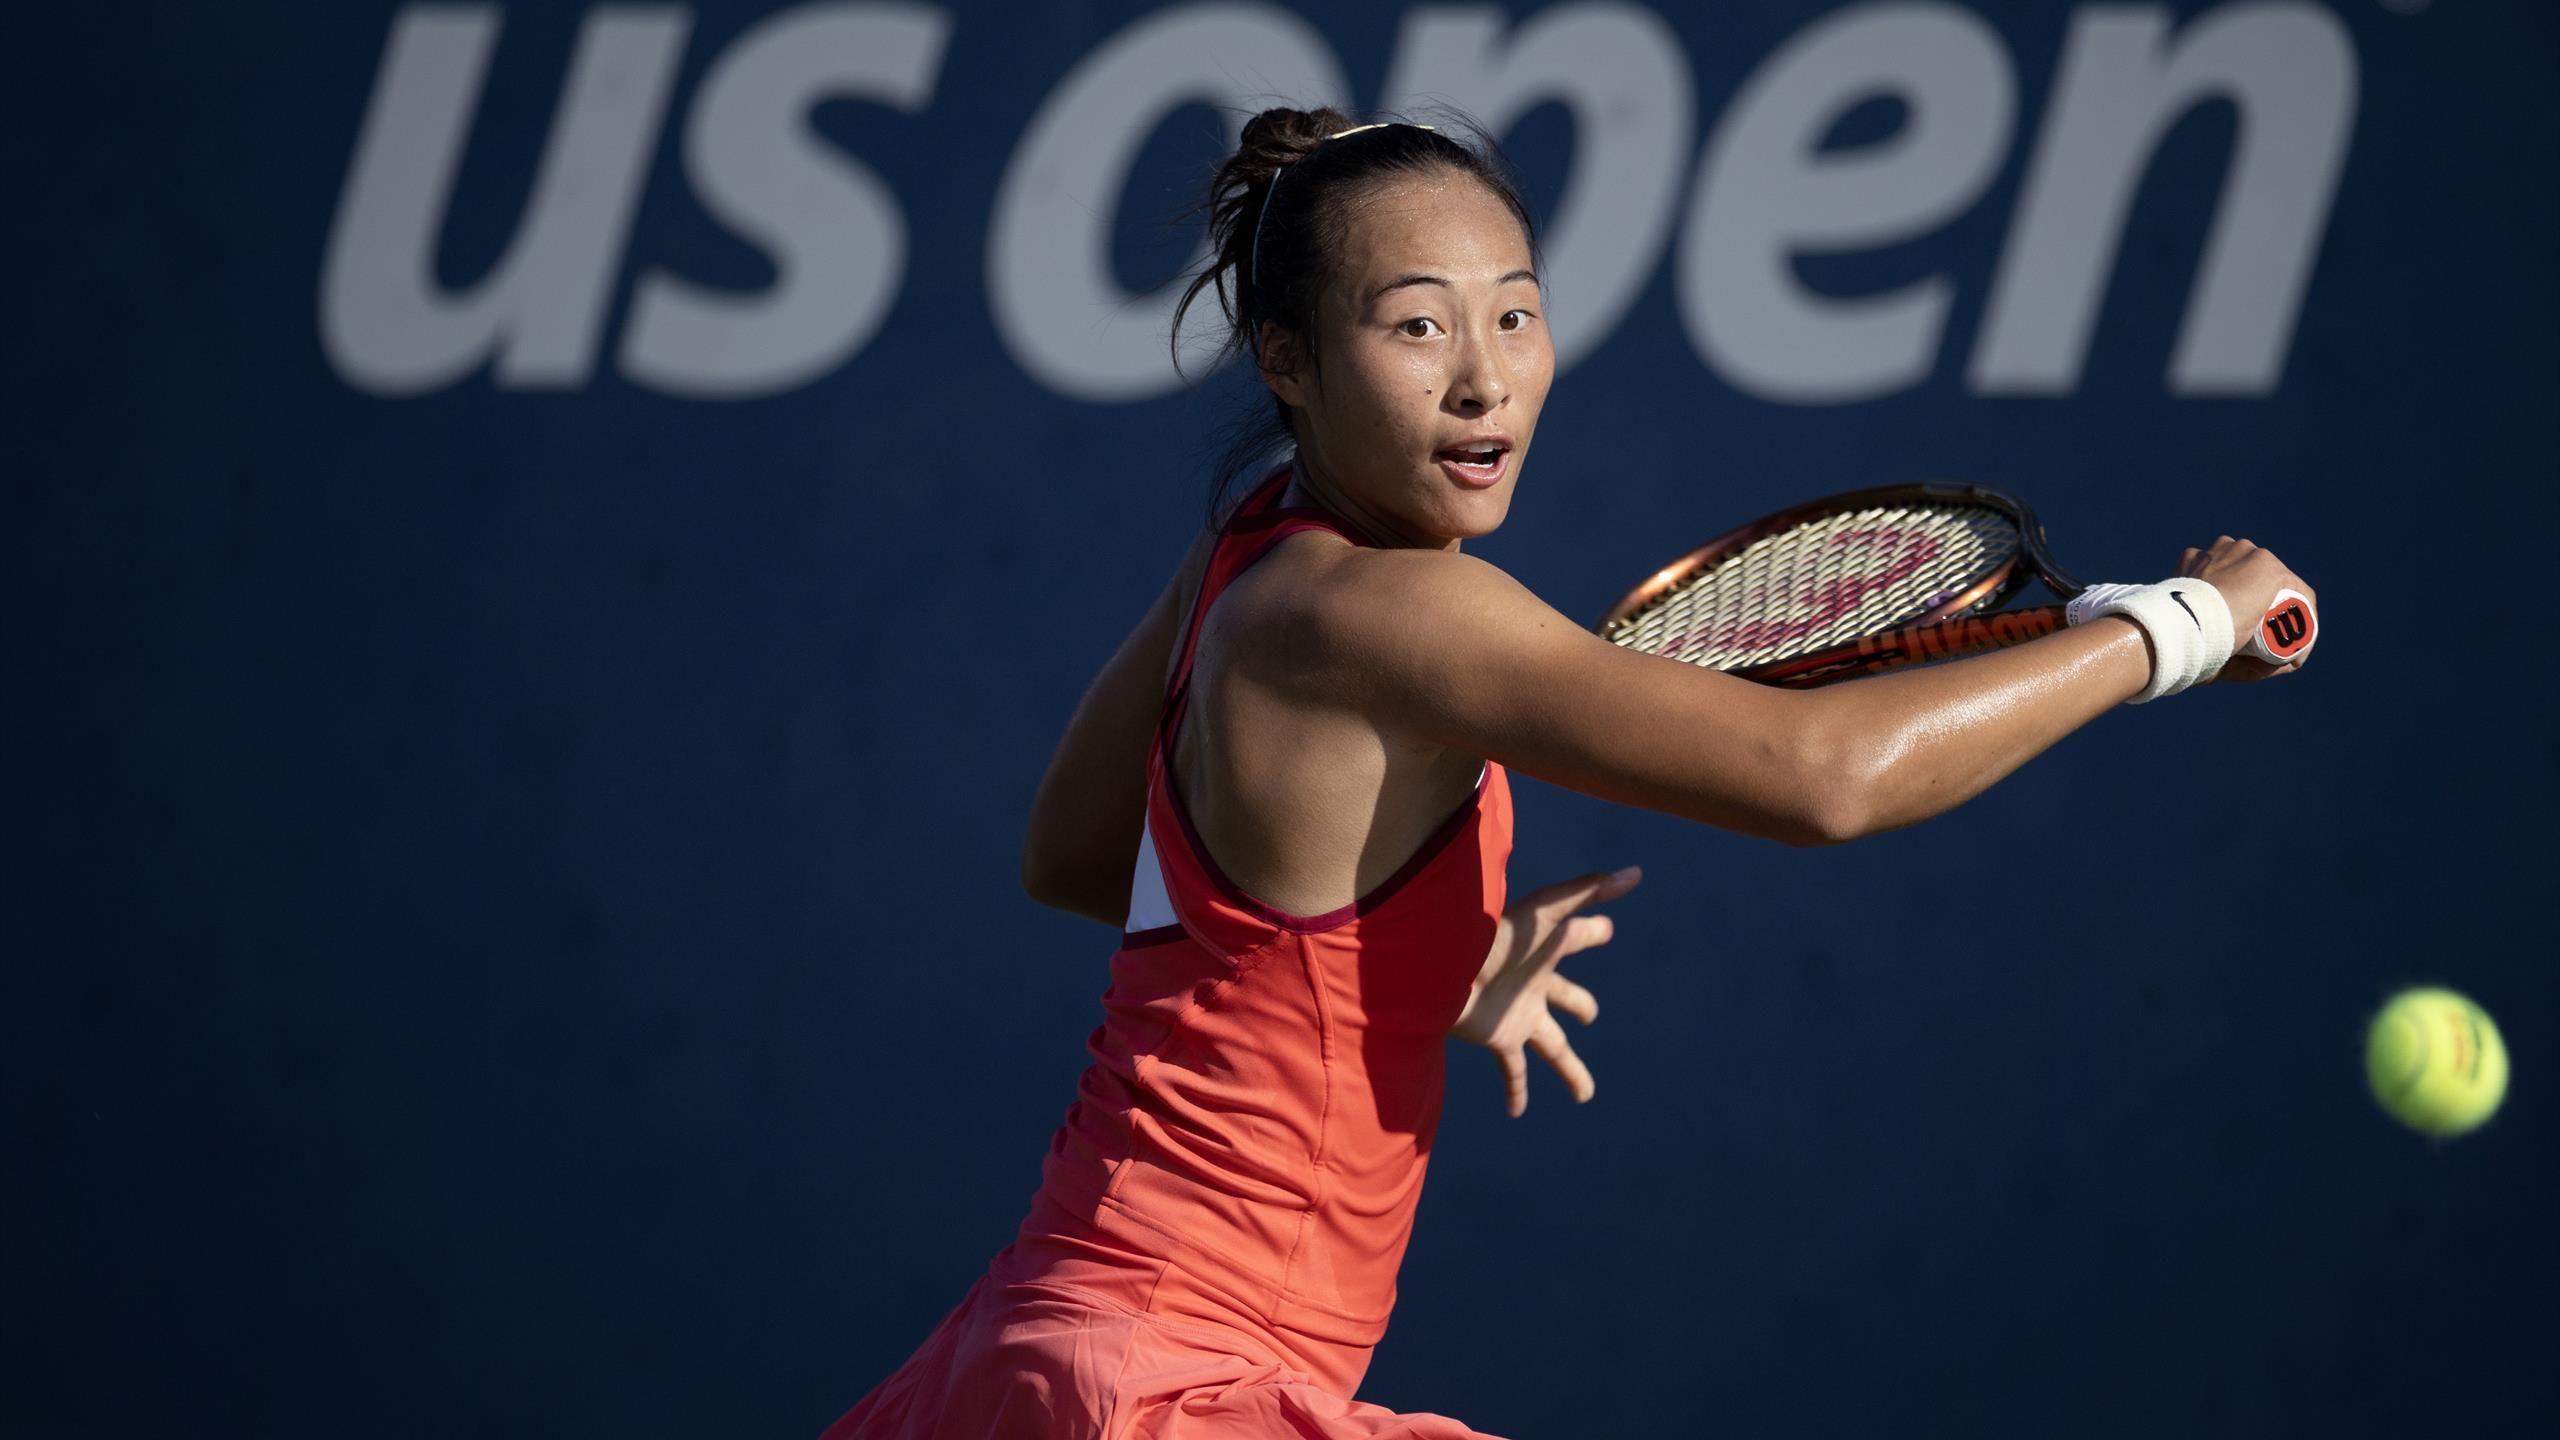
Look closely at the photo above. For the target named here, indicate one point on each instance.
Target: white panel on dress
(1150, 908)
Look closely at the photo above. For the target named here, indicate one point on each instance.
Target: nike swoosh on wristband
(2183, 605)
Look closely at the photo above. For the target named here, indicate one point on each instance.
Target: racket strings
(1826, 582)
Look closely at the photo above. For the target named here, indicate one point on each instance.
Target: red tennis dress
(1213, 1248)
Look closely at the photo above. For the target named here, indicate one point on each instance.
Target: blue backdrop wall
(547, 547)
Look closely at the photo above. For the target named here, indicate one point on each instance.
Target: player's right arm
(1446, 647)
(1081, 842)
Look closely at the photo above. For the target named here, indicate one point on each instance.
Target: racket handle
(2286, 632)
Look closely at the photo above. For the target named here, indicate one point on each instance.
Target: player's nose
(1479, 382)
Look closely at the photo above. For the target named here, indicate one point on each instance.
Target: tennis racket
(1875, 580)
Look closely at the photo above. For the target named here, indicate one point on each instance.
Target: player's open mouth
(1478, 466)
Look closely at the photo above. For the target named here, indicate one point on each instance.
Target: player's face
(1432, 362)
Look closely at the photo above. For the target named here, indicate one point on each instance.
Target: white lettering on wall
(1767, 192)
(385, 324)
(2292, 72)
(836, 235)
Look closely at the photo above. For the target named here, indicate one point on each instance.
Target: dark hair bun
(1280, 137)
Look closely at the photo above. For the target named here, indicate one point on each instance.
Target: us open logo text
(1731, 199)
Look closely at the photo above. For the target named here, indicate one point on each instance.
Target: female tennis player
(1299, 755)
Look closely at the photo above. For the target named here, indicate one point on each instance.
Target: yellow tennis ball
(2436, 1061)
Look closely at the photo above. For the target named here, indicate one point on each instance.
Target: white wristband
(2188, 622)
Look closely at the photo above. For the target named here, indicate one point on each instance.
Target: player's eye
(1516, 319)
(1420, 327)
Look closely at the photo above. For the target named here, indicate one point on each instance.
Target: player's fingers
(1515, 1079)
(1571, 934)
(1572, 999)
(1548, 1040)
(1557, 901)
(2187, 560)
(1582, 932)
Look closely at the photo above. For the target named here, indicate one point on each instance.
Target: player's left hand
(1511, 1007)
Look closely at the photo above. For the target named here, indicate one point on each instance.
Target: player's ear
(1280, 357)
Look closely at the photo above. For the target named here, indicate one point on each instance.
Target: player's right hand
(2248, 578)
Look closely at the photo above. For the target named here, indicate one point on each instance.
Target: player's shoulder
(1324, 599)
(1323, 573)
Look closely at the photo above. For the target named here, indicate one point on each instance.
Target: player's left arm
(1082, 841)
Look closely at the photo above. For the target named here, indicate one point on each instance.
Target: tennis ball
(2436, 1061)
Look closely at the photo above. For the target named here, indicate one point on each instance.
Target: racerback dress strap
(1258, 524)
